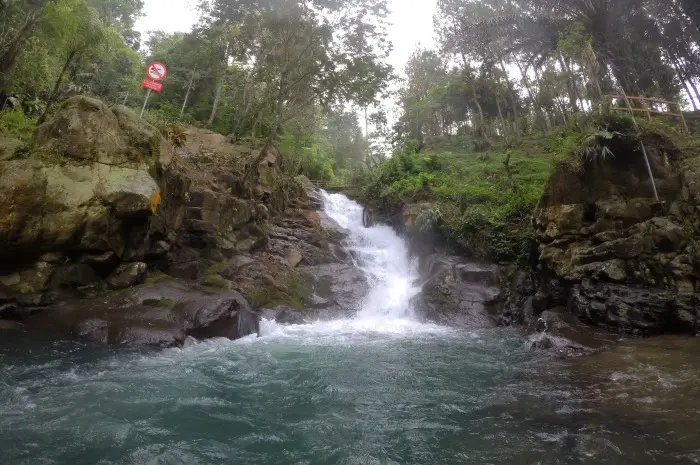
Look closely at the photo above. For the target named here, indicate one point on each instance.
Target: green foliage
(474, 203)
(15, 123)
(428, 219)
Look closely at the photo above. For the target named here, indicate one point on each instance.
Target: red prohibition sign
(156, 71)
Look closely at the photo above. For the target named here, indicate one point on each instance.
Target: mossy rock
(162, 303)
(295, 291)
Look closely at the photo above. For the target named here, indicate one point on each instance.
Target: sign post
(155, 72)
(145, 102)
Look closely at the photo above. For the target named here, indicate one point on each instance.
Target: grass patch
(14, 123)
(484, 198)
(485, 194)
(295, 292)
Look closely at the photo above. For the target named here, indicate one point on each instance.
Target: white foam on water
(386, 310)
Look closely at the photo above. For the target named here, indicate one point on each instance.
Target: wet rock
(152, 334)
(638, 310)
(92, 330)
(128, 274)
(72, 276)
(284, 314)
(622, 260)
(10, 280)
(559, 330)
(293, 257)
(159, 248)
(103, 262)
(316, 199)
(338, 288)
(160, 315)
(6, 325)
(458, 292)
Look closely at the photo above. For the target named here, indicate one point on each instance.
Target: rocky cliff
(110, 233)
(613, 255)
(608, 255)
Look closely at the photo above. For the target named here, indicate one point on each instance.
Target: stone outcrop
(99, 203)
(157, 315)
(459, 292)
(79, 201)
(613, 255)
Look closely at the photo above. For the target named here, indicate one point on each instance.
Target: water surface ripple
(381, 388)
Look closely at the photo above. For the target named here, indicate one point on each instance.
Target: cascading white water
(384, 258)
(386, 310)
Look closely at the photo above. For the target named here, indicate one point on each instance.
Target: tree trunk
(570, 83)
(187, 94)
(500, 117)
(57, 86)
(12, 51)
(274, 131)
(685, 79)
(248, 102)
(513, 97)
(528, 87)
(217, 100)
(474, 96)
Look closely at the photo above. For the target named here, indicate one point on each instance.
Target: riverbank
(112, 233)
(567, 222)
(380, 386)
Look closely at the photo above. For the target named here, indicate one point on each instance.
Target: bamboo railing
(647, 108)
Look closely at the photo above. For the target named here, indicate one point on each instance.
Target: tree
(82, 29)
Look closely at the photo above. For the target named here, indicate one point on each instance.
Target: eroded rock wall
(613, 255)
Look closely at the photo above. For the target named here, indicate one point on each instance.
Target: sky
(411, 23)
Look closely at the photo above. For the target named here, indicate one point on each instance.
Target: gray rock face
(635, 310)
(284, 314)
(161, 315)
(128, 274)
(458, 292)
(338, 289)
(612, 254)
(561, 333)
(85, 191)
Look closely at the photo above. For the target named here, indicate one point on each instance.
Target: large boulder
(338, 290)
(86, 186)
(458, 292)
(159, 315)
(85, 129)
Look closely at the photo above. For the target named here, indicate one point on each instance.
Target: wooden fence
(647, 107)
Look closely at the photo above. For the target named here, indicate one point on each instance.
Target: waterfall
(382, 255)
(386, 310)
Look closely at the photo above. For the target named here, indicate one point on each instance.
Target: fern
(428, 219)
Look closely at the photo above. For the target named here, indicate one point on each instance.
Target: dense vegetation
(514, 87)
(280, 71)
(517, 86)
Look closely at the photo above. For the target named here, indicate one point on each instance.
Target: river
(380, 388)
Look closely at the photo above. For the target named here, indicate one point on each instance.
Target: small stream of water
(380, 388)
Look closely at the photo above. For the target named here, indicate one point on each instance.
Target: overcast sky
(412, 23)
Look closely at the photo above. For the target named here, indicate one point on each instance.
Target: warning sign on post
(156, 71)
(152, 85)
